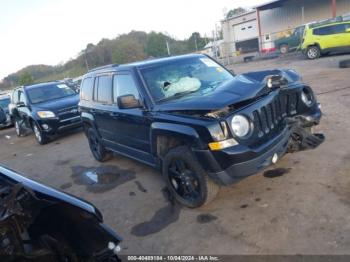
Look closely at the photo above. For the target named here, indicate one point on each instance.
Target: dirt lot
(303, 210)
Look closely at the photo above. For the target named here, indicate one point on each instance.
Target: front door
(131, 127)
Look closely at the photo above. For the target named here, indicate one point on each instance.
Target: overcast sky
(52, 31)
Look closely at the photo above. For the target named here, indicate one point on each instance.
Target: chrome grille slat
(269, 117)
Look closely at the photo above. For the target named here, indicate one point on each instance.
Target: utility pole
(86, 62)
(195, 42)
(167, 46)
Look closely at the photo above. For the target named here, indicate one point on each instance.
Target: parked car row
(318, 38)
(4, 107)
(187, 116)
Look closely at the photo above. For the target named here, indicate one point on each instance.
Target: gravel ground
(302, 208)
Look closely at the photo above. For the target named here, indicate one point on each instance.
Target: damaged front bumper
(232, 164)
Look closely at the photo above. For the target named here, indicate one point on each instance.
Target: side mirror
(128, 102)
(20, 104)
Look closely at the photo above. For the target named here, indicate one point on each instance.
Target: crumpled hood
(241, 88)
(57, 104)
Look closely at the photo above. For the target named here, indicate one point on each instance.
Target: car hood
(241, 88)
(48, 193)
(57, 104)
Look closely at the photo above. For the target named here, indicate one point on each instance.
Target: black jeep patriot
(196, 121)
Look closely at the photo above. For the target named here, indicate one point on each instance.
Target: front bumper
(251, 160)
(54, 126)
(231, 165)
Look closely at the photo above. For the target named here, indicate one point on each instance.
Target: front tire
(313, 52)
(40, 136)
(187, 181)
(99, 152)
(19, 128)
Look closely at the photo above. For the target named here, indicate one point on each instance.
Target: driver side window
(21, 97)
(124, 84)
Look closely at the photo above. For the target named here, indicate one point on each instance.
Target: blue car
(46, 108)
(4, 107)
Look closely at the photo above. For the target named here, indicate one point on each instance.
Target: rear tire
(185, 178)
(344, 64)
(99, 152)
(284, 49)
(313, 52)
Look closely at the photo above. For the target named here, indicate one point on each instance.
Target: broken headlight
(307, 97)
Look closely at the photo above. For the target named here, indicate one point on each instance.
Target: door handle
(92, 111)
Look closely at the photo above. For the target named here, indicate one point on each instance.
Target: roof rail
(103, 67)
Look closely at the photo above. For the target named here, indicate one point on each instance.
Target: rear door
(330, 37)
(347, 35)
(340, 35)
(102, 106)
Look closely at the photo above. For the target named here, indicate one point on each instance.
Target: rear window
(103, 94)
(4, 102)
(87, 88)
(46, 93)
(330, 30)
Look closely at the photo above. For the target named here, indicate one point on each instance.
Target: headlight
(46, 114)
(240, 125)
(306, 97)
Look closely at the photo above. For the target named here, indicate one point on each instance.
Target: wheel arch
(164, 136)
(88, 121)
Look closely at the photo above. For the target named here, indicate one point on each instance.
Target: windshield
(42, 94)
(178, 78)
(4, 103)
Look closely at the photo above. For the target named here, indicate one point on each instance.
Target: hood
(57, 104)
(241, 88)
(48, 193)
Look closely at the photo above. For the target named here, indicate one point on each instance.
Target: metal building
(241, 33)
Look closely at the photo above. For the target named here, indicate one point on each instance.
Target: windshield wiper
(176, 95)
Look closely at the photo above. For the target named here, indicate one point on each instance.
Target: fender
(184, 132)
(90, 120)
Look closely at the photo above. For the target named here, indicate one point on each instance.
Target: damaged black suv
(197, 122)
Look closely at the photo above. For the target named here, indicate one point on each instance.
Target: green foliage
(125, 48)
(236, 11)
(156, 45)
(25, 79)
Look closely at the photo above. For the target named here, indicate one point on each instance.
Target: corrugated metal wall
(290, 14)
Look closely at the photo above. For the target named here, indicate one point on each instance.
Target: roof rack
(103, 67)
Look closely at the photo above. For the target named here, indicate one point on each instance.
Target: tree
(126, 50)
(26, 79)
(156, 45)
(236, 11)
(196, 42)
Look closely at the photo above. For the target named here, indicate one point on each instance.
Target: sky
(53, 31)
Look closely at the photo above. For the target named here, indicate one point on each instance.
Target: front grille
(269, 117)
(68, 112)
